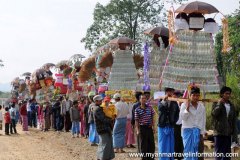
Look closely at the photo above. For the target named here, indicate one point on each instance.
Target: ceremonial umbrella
(62, 63)
(27, 74)
(37, 72)
(47, 65)
(76, 60)
(122, 40)
(16, 79)
(161, 31)
(197, 7)
(76, 56)
(100, 48)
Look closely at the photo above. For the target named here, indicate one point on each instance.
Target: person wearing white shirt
(65, 108)
(119, 129)
(13, 114)
(193, 115)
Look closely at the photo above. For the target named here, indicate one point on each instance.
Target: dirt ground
(38, 145)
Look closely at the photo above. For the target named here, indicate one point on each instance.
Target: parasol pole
(172, 38)
(183, 100)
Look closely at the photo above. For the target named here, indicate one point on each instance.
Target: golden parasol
(160, 31)
(197, 7)
(122, 40)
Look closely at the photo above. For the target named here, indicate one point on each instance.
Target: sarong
(1, 123)
(47, 122)
(86, 128)
(191, 138)
(82, 125)
(40, 123)
(119, 132)
(178, 145)
(166, 142)
(130, 139)
(105, 147)
(75, 127)
(67, 122)
(93, 135)
(24, 123)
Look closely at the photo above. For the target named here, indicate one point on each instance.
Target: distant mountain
(5, 87)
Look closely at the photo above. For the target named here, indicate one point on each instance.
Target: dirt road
(38, 145)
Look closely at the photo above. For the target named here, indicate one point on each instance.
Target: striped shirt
(144, 116)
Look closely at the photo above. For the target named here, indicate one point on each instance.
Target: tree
(229, 62)
(123, 18)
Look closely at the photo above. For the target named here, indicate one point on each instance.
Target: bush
(208, 107)
(234, 83)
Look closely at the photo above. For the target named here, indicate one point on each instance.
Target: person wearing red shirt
(23, 113)
(7, 120)
(81, 110)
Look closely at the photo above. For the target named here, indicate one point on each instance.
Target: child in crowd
(109, 109)
(1, 118)
(81, 109)
(7, 120)
(75, 118)
(13, 113)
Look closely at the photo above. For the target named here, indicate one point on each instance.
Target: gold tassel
(172, 37)
(226, 46)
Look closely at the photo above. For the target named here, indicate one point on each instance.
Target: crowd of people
(112, 124)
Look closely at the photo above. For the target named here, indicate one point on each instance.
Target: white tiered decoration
(123, 73)
(192, 60)
(158, 57)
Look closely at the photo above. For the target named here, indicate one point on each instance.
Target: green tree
(229, 62)
(123, 18)
(233, 82)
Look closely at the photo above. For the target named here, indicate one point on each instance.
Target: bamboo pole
(185, 100)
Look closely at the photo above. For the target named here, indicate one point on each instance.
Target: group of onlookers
(112, 124)
(181, 126)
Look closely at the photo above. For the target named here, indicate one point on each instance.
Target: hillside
(4, 94)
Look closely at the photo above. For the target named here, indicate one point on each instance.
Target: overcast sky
(34, 32)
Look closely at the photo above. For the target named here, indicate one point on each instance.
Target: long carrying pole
(185, 99)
